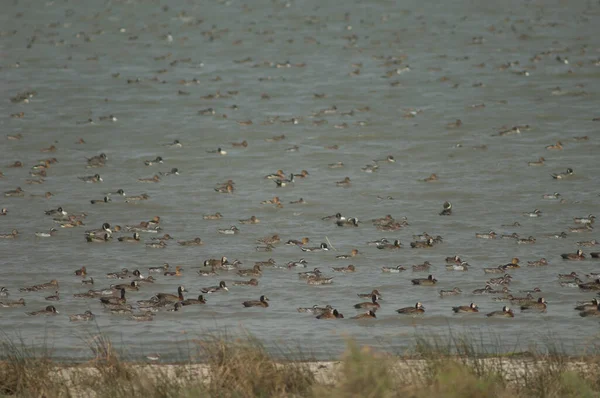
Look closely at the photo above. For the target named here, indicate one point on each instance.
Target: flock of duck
(133, 293)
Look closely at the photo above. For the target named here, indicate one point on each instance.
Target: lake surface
(399, 76)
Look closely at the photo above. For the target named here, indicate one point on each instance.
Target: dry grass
(243, 368)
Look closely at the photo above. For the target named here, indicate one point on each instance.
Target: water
(78, 47)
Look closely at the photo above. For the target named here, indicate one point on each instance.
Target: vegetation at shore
(243, 368)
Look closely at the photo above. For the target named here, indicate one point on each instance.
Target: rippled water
(79, 56)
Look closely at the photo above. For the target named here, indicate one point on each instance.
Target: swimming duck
(48, 234)
(137, 198)
(229, 231)
(130, 239)
(551, 196)
(218, 151)
(251, 220)
(389, 246)
(489, 235)
(157, 160)
(274, 201)
(283, 182)
(336, 216)
(153, 179)
(429, 281)
(584, 228)
(254, 271)
(299, 201)
(336, 165)
(15, 193)
(464, 266)
(514, 263)
(10, 304)
(58, 211)
(353, 253)
(118, 275)
(592, 305)
(446, 209)
(538, 263)
(319, 280)
(53, 284)
(106, 199)
(4, 292)
(270, 240)
(560, 176)
(175, 144)
(98, 239)
(240, 144)
(587, 243)
(369, 304)
(330, 314)
(322, 247)
(214, 289)
(277, 175)
(216, 262)
(177, 272)
(585, 220)
(294, 242)
(558, 146)
(540, 305)
(262, 302)
(133, 286)
(395, 270)
(594, 285)
(199, 300)
(86, 316)
(309, 274)
(268, 263)
(595, 254)
(146, 316)
(81, 271)
(535, 213)
(3, 211)
(171, 297)
(378, 242)
(367, 315)
(302, 263)
(561, 235)
(162, 268)
(156, 245)
(14, 233)
(505, 313)
(193, 242)
(421, 267)
(572, 283)
(350, 222)
(574, 256)
(173, 172)
(104, 230)
(215, 216)
(97, 161)
(251, 282)
(539, 162)
(526, 241)
(344, 183)
(503, 280)
(92, 179)
(591, 312)
(418, 309)
(454, 292)
(465, 308)
(49, 310)
(303, 174)
(420, 244)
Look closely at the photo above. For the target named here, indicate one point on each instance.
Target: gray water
(72, 65)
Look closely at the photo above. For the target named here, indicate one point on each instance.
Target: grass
(242, 367)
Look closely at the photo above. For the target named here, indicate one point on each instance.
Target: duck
(594, 285)
(369, 304)
(118, 275)
(262, 302)
(389, 246)
(277, 175)
(53, 284)
(214, 289)
(591, 305)
(300, 201)
(429, 281)
(175, 144)
(572, 283)
(302, 263)
(81, 271)
(222, 262)
(137, 198)
(168, 297)
(561, 176)
(243, 144)
(177, 272)
(350, 222)
(446, 209)
(526, 241)
(156, 245)
(10, 304)
(506, 312)
(433, 177)
(539, 162)
(283, 182)
(353, 253)
(146, 316)
(199, 300)
(465, 308)
(587, 243)
(162, 268)
(421, 267)
(540, 305)
(229, 231)
(301, 242)
(394, 270)
(49, 310)
(578, 255)
(335, 165)
(367, 315)
(330, 314)
(270, 240)
(254, 271)
(216, 216)
(251, 220)
(218, 151)
(595, 254)
(454, 292)
(18, 192)
(98, 239)
(104, 230)
(514, 263)
(153, 179)
(3, 211)
(319, 280)
(322, 247)
(309, 274)
(344, 183)
(561, 235)
(57, 212)
(538, 263)
(132, 286)
(130, 239)
(194, 242)
(336, 216)
(590, 312)
(251, 282)
(535, 213)
(86, 316)
(4, 292)
(558, 146)
(585, 220)
(106, 199)
(551, 196)
(157, 160)
(13, 234)
(97, 161)
(503, 280)
(489, 235)
(464, 266)
(584, 228)
(48, 234)
(92, 179)
(418, 309)
(275, 201)
(173, 172)
(302, 174)
(422, 244)
(268, 263)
